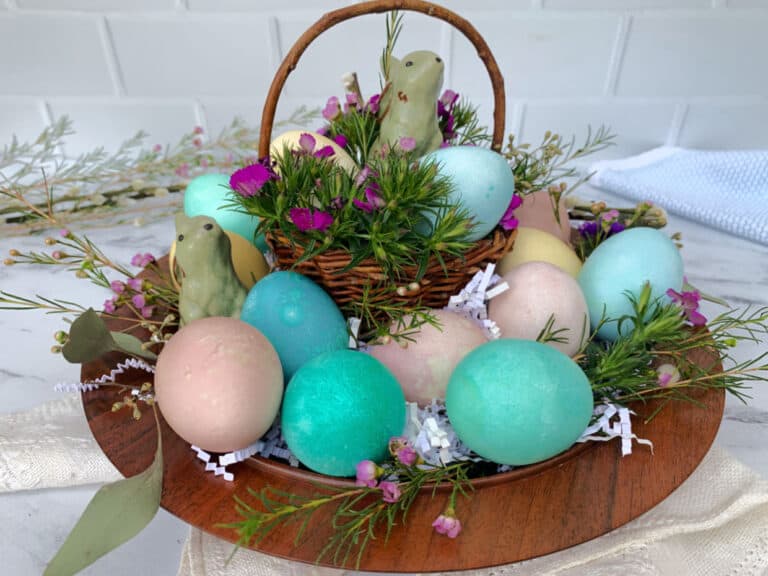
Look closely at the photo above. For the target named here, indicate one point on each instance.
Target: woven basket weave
(329, 269)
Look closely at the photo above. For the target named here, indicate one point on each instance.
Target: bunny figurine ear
(181, 221)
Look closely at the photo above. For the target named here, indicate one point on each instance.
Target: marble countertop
(34, 524)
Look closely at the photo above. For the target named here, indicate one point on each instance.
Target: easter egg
(537, 292)
(341, 408)
(292, 138)
(218, 384)
(533, 245)
(297, 317)
(537, 211)
(622, 264)
(518, 402)
(247, 260)
(209, 195)
(483, 183)
(423, 366)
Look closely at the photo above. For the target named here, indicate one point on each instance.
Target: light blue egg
(208, 195)
(483, 183)
(341, 408)
(624, 263)
(518, 402)
(297, 317)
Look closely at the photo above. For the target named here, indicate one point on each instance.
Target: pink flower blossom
(157, 148)
(64, 233)
(332, 109)
(390, 492)
(373, 104)
(351, 102)
(407, 144)
(135, 284)
(689, 302)
(447, 524)
(508, 221)
(308, 219)
(117, 286)
(146, 311)
(449, 98)
(307, 143)
(367, 472)
(402, 450)
(372, 201)
(667, 374)
(197, 130)
(610, 216)
(142, 260)
(109, 306)
(138, 300)
(182, 171)
(250, 180)
(197, 142)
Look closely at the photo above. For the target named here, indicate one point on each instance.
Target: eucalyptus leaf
(89, 339)
(131, 345)
(116, 514)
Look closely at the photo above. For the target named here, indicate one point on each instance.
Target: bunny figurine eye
(409, 64)
(208, 226)
(438, 59)
(181, 237)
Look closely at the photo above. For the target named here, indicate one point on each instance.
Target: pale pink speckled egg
(537, 211)
(423, 367)
(219, 383)
(538, 290)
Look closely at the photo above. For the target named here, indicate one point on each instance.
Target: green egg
(518, 402)
(341, 408)
(209, 195)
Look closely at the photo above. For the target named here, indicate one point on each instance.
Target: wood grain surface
(574, 497)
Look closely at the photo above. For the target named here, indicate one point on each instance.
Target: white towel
(725, 189)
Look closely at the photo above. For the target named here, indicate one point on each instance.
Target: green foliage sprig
(360, 515)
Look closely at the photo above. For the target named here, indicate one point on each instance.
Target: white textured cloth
(725, 189)
(716, 523)
(51, 446)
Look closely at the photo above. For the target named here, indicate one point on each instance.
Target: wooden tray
(574, 497)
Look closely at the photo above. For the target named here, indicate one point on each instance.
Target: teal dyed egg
(209, 195)
(624, 263)
(483, 183)
(341, 408)
(297, 317)
(518, 401)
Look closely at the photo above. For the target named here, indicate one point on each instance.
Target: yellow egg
(248, 261)
(534, 245)
(291, 139)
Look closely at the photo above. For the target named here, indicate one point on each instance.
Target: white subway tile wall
(677, 72)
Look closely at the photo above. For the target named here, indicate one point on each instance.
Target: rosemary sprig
(360, 514)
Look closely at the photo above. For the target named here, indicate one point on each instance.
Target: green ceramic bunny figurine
(409, 107)
(209, 285)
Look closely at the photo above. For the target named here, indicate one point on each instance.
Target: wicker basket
(329, 269)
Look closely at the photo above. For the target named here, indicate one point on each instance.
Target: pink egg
(537, 291)
(218, 383)
(537, 211)
(423, 367)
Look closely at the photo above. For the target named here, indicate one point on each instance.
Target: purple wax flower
(142, 260)
(307, 143)
(588, 228)
(340, 139)
(146, 311)
(135, 284)
(448, 99)
(109, 306)
(372, 201)
(117, 286)
(373, 104)
(508, 221)
(307, 219)
(689, 302)
(324, 152)
(138, 300)
(332, 109)
(407, 143)
(250, 180)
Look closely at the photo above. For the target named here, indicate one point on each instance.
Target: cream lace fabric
(715, 524)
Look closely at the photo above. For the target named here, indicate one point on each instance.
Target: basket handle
(377, 6)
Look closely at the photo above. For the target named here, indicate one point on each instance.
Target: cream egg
(219, 383)
(292, 140)
(533, 245)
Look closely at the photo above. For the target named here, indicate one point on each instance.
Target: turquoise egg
(297, 317)
(208, 195)
(623, 264)
(518, 401)
(483, 183)
(341, 408)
